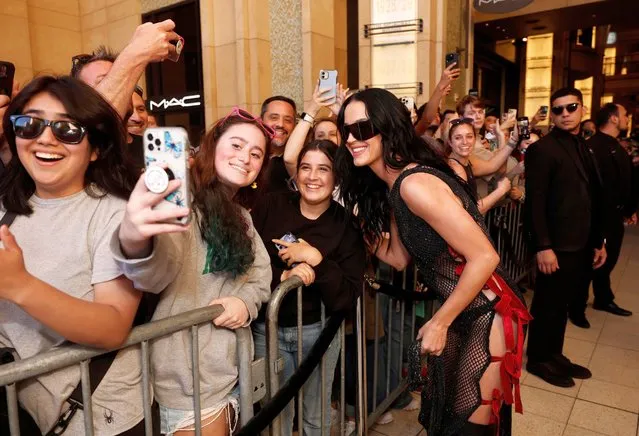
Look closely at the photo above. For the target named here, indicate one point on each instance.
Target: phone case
(170, 146)
(328, 79)
(7, 73)
(409, 102)
(452, 58)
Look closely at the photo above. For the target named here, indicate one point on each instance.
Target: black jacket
(616, 170)
(564, 202)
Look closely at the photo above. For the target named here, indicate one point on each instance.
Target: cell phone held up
(7, 73)
(524, 127)
(179, 46)
(543, 110)
(452, 58)
(166, 153)
(328, 80)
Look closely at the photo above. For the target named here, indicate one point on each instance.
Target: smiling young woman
(329, 257)
(218, 259)
(474, 342)
(67, 185)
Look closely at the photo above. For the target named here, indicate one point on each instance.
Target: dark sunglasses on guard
(28, 127)
(361, 130)
(558, 110)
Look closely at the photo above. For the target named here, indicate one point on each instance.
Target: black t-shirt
(338, 278)
(278, 178)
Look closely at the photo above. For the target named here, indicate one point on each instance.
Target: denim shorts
(172, 420)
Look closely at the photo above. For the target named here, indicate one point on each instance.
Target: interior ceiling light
(524, 39)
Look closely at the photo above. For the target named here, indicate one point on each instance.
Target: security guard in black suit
(615, 167)
(566, 227)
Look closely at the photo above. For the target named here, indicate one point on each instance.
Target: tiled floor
(607, 404)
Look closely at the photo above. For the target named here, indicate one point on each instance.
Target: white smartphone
(168, 146)
(328, 79)
(409, 102)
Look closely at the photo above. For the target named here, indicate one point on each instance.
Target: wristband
(307, 117)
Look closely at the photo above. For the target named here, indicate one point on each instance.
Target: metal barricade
(275, 363)
(507, 222)
(251, 374)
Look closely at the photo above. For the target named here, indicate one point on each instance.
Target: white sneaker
(386, 418)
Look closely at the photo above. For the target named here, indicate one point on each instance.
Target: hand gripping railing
(66, 356)
(274, 363)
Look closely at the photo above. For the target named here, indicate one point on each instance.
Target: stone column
(287, 53)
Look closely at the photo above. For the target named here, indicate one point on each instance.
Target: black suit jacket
(564, 209)
(615, 166)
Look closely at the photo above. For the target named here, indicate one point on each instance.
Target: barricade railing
(506, 225)
(251, 373)
(275, 362)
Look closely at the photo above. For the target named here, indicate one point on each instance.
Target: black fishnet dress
(451, 390)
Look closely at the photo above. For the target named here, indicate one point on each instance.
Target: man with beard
(279, 113)
(616, 172)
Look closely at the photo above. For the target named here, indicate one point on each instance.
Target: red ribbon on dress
(511, 310)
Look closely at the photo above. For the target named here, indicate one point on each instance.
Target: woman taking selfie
(217, 259)
(474, 341)
(63, 194)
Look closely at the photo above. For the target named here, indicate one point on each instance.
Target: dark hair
(457, 125)
(101, 53)
(329, 148)
(604, 114)
(448, 111)
(359, 186)
(111, 173)
(469, 100)
(566, 91)
(277, 98)
(221, 219)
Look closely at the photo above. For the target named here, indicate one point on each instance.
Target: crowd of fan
(88, 251)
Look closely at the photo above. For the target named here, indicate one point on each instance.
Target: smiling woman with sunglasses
(66, 188)
(217, 259)
(395, 180)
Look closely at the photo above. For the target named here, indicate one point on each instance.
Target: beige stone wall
(44, 35)
(108, 22)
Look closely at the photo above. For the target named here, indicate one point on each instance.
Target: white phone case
(170, 146)
(328, 79)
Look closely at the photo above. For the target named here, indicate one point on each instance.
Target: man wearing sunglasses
(565, 221)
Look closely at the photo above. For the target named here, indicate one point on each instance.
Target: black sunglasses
(28, 127)
(361, 130)
(558, 110)
(458, 121)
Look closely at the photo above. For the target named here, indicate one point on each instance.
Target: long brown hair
(220, 216)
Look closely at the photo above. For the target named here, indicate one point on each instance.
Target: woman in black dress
(474, 342)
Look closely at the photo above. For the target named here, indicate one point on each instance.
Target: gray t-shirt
(66, 244)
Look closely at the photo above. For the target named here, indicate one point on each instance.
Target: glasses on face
(236, 111)
(361, 130)
(458, 121)
(28, 127)
(571, 107)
